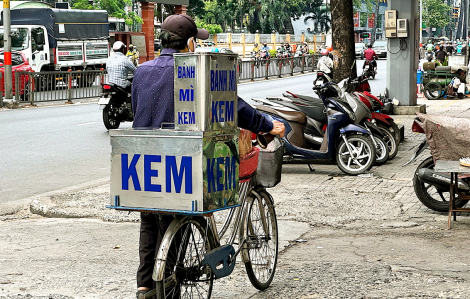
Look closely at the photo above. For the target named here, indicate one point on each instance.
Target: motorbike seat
(287, 115)
(311, 99)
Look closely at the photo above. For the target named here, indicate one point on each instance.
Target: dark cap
(183, 27)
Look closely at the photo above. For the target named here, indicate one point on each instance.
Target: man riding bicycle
(153, 105)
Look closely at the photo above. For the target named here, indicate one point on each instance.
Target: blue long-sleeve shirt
(153, 97)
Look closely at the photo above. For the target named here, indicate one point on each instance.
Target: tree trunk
(344, 56)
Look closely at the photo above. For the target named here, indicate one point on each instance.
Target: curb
(38, 201)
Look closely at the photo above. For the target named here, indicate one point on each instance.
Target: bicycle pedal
(220, 260)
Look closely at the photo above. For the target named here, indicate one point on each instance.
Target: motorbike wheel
(390, 140)
(395, 130)
(111, 116)
(363, 151)
(434, 198)
(432, 91)
(381, 150)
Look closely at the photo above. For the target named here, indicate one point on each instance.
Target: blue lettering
(186, 118)
(216, 79)
(229, 111)
(233, 81)
(221, 111)
(149, 173)
(220, 162)
(185, 169)
(210, 176)
(214, 112)
(186, 72)
(184, 95)
(212, 81)
(192, 117)
(230, 172)
(128, 171)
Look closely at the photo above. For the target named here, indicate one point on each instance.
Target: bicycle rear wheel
(187, 240)
(261, 235)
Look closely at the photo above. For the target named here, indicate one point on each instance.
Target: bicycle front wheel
(183, 248)
(261, 235)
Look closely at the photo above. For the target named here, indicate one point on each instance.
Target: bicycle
(192, 255)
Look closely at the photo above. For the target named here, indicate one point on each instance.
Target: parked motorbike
(385, 123)
(342, 141)
(432, 188)
(368, 71)
(255, 57)
(314, 108)
(116, 105)
(263, 55)
(429, 56)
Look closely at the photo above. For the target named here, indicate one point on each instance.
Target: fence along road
(69, 85)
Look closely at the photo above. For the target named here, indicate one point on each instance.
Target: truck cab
(60, 39)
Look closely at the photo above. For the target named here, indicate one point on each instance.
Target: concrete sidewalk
(344, 237)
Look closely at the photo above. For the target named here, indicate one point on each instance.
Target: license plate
(319, 82)
(103, 101)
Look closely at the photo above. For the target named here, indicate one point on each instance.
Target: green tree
(212, 28)
(436, 13)
(319, 14)
(115, 8)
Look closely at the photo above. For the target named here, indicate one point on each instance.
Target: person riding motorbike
(119, 67)
(133, 54)
(305, 49)
(370, 56)
(325, 64)
(153, 105)
(449, 49)
(441, 55)
(287, 47)
(255, 48)
(430, 46)
(266, 48)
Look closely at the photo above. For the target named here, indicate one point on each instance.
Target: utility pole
(7, 51)
(420, 22)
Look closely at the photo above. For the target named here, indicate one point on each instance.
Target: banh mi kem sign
(205, 91)
(171, 170)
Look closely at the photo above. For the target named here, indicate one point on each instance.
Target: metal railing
(276, 67)
(69, 85)
(56, 86)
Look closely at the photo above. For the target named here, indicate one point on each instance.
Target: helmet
(265, 44)
(256, 44)
(325, 52)
(330, 48)
(118, 45)
(442, 42)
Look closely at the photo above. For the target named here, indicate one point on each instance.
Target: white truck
(60, 39)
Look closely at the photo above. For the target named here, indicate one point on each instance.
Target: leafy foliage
(436, 13)
(320, 16)
(212, 28)
(115, 8)
(262, 15)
